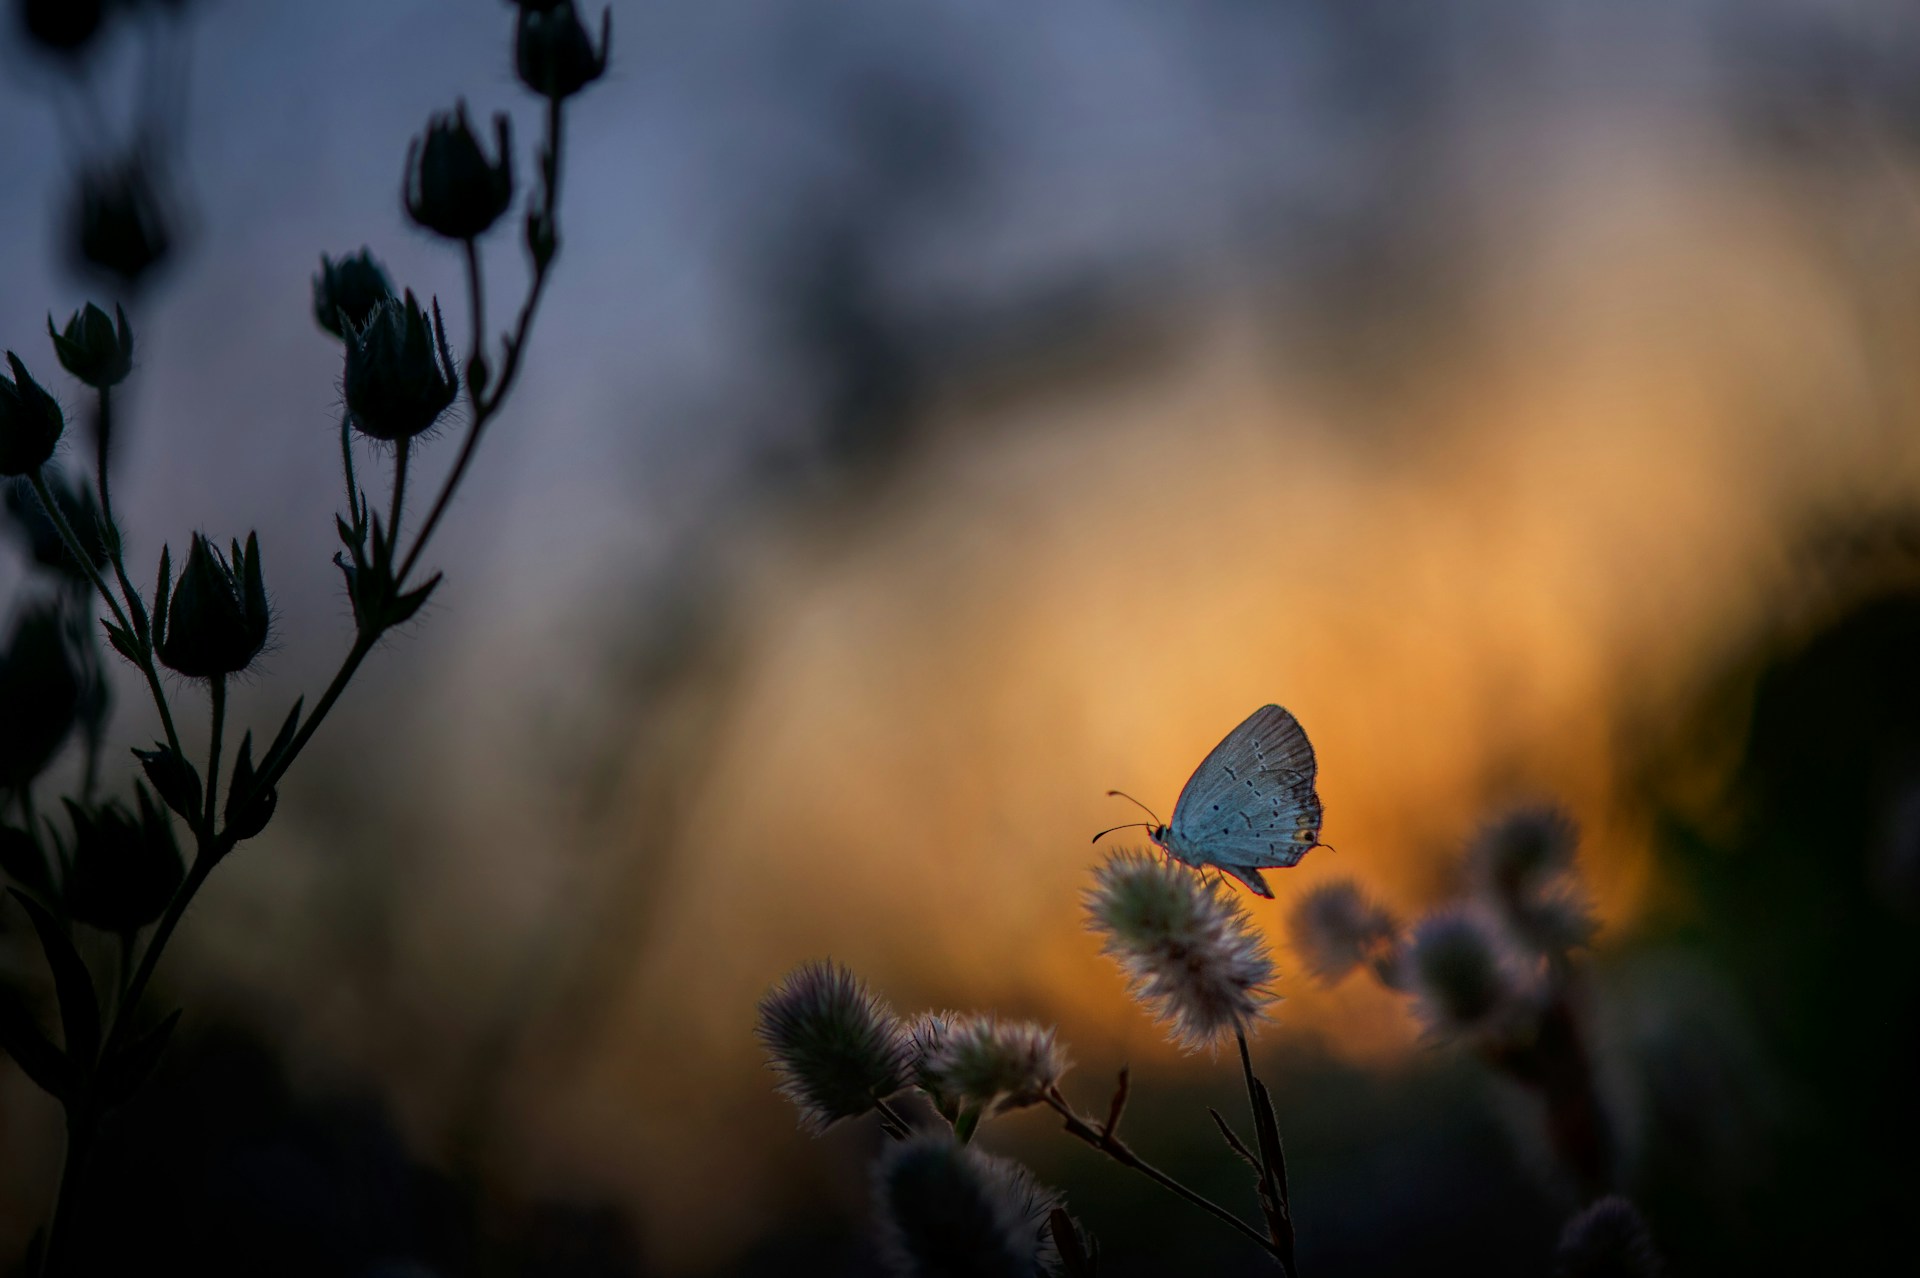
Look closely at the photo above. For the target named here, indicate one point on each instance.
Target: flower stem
(1118, 1150)
(143, 638)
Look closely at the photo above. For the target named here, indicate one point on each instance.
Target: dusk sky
(943, 413)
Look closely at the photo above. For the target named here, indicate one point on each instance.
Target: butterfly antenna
(1128, 826)
(1122, 794)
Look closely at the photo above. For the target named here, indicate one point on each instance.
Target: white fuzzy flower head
(985, 1063)
(1459, 972)
(1188, 947)
(1336, 928)
(947, 1210)
(837, 1047)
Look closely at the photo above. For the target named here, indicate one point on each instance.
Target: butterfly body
(1250, 805)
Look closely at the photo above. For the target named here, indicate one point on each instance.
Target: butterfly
(1249, 806)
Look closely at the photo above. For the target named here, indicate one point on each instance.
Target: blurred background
(943, 413)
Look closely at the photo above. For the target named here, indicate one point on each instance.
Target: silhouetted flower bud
(125, 866)
(30, 519)
(62, 26)
(173, 778)
(216, 621)
(553, 52)
(1188, 947)
(400, 375)
(119, 223)
(40, 689)
(351, 287)
(94, 348)
(452, 188)
(948, 1210)
(30, 422)
(836, 1046)
(1607, 1240)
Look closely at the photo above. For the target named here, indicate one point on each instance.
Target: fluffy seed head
(836, 1046)
(1516, 855)
(1189, 948)
(1336, 928)
(1458, 971)
(1607, 1240)
(985, 1063)
(947, 1210)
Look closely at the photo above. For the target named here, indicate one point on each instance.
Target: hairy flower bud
(1336, 928)
(451, 187)
(948, 1210)
(346, 292)
(1521, 852)
(216, 622)
(837, 1047)
(400, 375)
(986, 1064)
(125, 866)
(94, 348)
(1607, 1240)
(1189, 948)
(553, 52)
(30, 422)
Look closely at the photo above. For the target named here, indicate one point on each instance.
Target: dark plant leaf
(79, 1008)
(24, 1040)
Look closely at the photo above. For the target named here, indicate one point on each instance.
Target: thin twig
(1118, 1150)
(1233, 1142)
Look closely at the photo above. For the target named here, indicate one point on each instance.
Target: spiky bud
(947, 1210)
(30, 421)
(95, 347)
(400, 374)
(451, 187)
(1336, 928)
(1188, 947)
(216, 621)
(837, 1047)
(985, 1064)
(346, 292)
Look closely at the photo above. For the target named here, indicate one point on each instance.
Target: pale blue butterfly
(1249, 806)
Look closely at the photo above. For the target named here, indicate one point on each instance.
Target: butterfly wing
(1250, 805)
